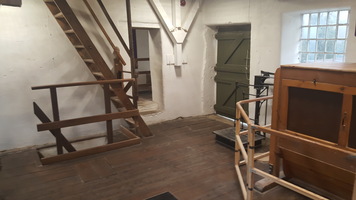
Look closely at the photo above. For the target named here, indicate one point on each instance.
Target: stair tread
(79, 46)
(112, 89)
(69, 31)
(59, 15)
(98, 74)
(88, 60)
(115, 98)
(49, 1)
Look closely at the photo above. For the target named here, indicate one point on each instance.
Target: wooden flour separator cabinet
(316, 102)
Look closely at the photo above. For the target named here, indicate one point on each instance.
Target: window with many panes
(323, 36)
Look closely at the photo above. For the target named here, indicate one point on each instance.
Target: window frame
(306, 38)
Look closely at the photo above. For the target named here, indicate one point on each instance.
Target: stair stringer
(76, 28)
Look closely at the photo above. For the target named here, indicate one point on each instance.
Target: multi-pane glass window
(323, 36)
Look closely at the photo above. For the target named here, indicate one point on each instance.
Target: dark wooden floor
(182, 158)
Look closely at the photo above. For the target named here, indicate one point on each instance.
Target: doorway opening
(146, 61)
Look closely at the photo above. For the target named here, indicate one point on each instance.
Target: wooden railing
(249, 156)
(55, 126)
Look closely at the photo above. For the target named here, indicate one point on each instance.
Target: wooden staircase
(94, 61)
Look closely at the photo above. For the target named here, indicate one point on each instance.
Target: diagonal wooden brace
(56, 132)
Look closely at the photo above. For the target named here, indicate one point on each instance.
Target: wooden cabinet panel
(315, 113)
(316, 102)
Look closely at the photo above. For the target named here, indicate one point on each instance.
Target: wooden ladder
(77, 35)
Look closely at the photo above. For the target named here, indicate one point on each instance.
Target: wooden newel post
(55, 111)
(109, 128)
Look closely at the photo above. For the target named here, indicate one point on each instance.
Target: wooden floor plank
(93, 169)
(182, 158)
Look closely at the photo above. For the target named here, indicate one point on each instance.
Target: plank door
(232, 70)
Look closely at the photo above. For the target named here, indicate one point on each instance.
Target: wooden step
(130, 122)
(49, 1)
(116, 99)
(69, 31)
(59, 15)
(99, 75)
(129, 96)
(79, 46)
(88, 61)
(118, 104)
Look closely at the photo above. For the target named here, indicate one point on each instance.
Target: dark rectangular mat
(163, 196)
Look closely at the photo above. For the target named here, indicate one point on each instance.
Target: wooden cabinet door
(322, 111)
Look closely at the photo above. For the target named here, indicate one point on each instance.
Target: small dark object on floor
(226, 137)
(163, 196)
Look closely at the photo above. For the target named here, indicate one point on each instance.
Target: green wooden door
(232, 70)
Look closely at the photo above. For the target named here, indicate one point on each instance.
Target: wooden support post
(55, 111)
(132, 57)
(354, 190)
(109, 128)
(237, 135)
(118, 67)
(242, 149)
(250, 161)
(238, 148)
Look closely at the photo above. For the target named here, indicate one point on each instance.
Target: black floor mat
(163, 196)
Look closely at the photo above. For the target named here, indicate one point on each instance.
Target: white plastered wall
(34, 51)
(269, 19)
(274, 27)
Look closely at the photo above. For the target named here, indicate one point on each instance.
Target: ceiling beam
(177, 33)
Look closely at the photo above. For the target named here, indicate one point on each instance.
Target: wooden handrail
(113, 81)
(111, 22)
(243, 113)
(98, 22)
(115, 48)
